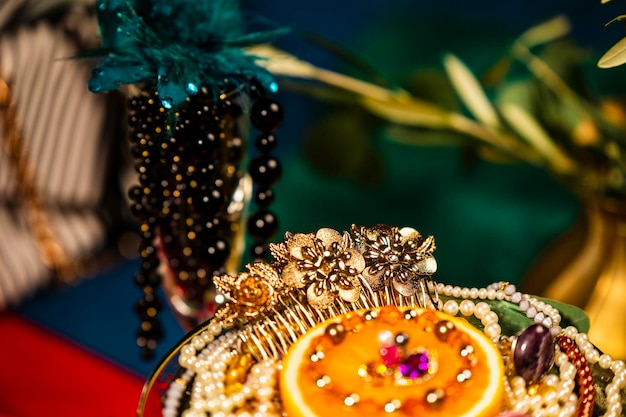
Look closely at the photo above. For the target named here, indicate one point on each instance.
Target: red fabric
(44, 375)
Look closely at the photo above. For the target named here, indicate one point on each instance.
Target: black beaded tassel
(266, 115)
(188, 166)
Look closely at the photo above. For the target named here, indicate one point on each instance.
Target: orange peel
(324, 373)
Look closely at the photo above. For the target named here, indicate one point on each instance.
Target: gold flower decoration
(396, 257)
(327, 264)
(280, 253)
(251, 293)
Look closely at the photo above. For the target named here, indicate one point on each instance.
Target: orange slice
(391, 362)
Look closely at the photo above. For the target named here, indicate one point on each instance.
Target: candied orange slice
(391, 362)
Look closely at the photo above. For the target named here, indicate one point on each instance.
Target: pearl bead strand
(210, 360)
(481, 311)
(555, 395)
(174, 394)
(546, 314)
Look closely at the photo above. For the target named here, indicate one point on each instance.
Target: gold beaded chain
(52, 252)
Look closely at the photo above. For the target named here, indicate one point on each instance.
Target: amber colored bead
(390, 314)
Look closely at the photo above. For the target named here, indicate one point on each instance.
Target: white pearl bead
(618, 366)
(482, 293)
(187, 350)
(620, 379)
(534, 402)
(170, 412)
(553, 410)
(466, 307)
(456, 292)
(198, 343)
(550, 397)
(551, 380)
(519, 392)
(491, 294)
(489, 317)
(569, 385)
(227, 405)
(571, 332)
(568, 371)
(555, 330)
(592, 356)
(611, 389)
(522, 406)
(492, 331)
(605, 361)
(451, 307)
(207, 337)
(465, 292)
(480, 309)
(473, 293)
(615, 406)
(187, 362)
(171, 402)
(568, 410)
(518, 381)
(215, 328)
(560, 358)
(265, 393)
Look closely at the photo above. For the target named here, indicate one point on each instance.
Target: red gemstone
(390, 355)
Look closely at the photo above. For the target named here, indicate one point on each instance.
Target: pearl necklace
(208, 357)
(225, 378)
(534, 400)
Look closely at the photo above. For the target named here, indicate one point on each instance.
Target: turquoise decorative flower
(177, 46)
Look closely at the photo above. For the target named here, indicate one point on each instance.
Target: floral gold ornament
(488, 352)
(250, 294)
(399, 258)
(326, 264)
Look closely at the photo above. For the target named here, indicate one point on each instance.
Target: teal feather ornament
(177, 47)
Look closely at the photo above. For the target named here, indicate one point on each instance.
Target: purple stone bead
(533, 352)
(415, 365)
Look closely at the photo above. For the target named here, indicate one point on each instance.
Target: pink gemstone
(390, 355)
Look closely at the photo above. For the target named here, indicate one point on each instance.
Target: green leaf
(407, 112)
(570, 315)
(470, 91)
(531, 130)
(615, 56)
(546, 32)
